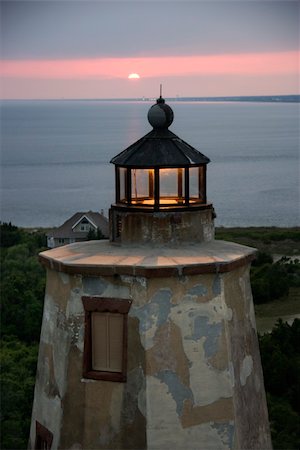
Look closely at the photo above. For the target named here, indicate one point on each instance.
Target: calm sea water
(55, 157)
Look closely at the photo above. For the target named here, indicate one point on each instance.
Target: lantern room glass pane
(171, 186)
(194, 184)
(142, 186)
(122, 176)
(197, 184)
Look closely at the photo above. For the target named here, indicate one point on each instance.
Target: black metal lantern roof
(160, 147)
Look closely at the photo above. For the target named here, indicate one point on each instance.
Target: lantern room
(160, 171)
(160, 188)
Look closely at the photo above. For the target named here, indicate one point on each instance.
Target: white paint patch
(142, 281)
(228, 314)
(115, 291)
(231, 374)
(126, 279)
(246, 369)
(80, 338)
(49, 320)
(131, 280)
(252, 315)
(164, 429)
(74, 305)
(208, 385)
(61, 348)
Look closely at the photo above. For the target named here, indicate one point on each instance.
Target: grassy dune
(277, 241)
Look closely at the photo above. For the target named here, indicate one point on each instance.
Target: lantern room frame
(157, 188)
(160, 171)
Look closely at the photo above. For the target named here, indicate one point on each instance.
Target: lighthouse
(148, 339)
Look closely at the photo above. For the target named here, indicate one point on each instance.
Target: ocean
(55, 157)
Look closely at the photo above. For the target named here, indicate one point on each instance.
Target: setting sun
(133, 76)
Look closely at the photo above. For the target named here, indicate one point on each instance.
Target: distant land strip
(249, 98)
(254, 98)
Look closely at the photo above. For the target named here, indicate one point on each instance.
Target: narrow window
(105, 344)
(43, 437)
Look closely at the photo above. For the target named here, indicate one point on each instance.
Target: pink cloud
(109, 68)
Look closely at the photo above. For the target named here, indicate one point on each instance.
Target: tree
(280, 354)
(18, 368)
(95, 235)
(272, 280)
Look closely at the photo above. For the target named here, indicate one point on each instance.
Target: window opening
(105, 345)
(43, 437)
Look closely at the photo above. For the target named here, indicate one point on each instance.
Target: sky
(87, 49)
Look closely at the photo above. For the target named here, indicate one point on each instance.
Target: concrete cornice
(102, 258)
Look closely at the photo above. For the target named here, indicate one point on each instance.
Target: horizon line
(272, 97)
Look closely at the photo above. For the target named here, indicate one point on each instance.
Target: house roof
(66, 229)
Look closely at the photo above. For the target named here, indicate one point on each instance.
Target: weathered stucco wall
(252, 426)
(194, 376)
(159, 228)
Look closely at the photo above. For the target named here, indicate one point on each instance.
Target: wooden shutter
(99, 341)
(107, 341)
(115, 342)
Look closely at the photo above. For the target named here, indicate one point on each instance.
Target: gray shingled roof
(66, 231)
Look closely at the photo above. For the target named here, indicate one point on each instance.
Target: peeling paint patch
(74, 307)
(226, 433)
(252, 315)
(231, 373)
(94, 286)
(135, 381)
(179, 391)
(211, 333)
(246, 369)
(216, 287)
(229, 314)
(64, 277)
(199, 290)
(156, 312)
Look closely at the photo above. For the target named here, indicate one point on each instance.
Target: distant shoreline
(293, 98)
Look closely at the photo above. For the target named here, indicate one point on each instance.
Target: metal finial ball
(160, 115)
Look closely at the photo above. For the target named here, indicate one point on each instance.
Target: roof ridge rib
(181, 151)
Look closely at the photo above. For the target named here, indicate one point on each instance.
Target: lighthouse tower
(148, 340)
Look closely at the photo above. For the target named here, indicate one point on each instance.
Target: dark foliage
(18, 367)
(22, 284)
(95, 235)
(271, 281)
(280, 353)
(22, 294)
